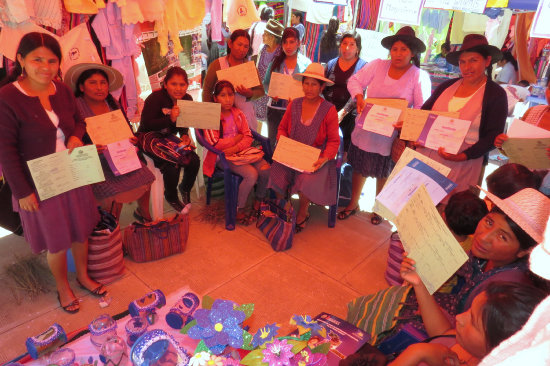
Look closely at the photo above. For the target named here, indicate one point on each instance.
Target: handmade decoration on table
(135, 327)
(46, 341)
(147, 305)
(182, 312)
(101, 329)
(158, 347)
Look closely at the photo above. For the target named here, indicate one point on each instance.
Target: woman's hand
(29, 203)
(499, 140)
(134, 140)
(73, 142)
(451, 157)
(398, 125)
(174, 113)
(319, 163)
(408, 271)
(100, 148)
(185, 140)
(244, 91)
(360, 103)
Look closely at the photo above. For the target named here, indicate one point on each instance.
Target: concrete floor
(324, 270)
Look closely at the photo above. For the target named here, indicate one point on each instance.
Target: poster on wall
(401, 11)
(371, 48)
(467, 6)
(541, 26)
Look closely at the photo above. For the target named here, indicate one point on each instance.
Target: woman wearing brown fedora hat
(313, 121)
(478, 99)
(399, 78)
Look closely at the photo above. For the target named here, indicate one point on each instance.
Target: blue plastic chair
(231, 180)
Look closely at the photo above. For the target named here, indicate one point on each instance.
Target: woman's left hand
(319, 163)
(398, 125)
(73, 142)
(451, 157)
(134, 140)
(244, 91)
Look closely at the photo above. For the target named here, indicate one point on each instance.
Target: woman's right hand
(360, 103)
(408, 271)
(499, 140)
(174, 113)
(29, 203)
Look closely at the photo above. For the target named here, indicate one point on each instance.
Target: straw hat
(275, 28)
(115, 77)
(473, 43)
(314, 70)
(405, 34)
(528, 208)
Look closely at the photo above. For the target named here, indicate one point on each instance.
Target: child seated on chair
(233, 137)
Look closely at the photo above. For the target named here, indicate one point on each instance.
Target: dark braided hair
(111, 102)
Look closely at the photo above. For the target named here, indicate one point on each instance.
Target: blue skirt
(369, 164)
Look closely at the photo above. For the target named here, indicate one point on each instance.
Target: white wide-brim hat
(115, 77)
(314, 70)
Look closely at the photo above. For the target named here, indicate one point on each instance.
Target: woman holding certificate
(39, 118)
(288, 62)
(477, 99)
(159, 114)
(238, 52)
(397, 78)
(313, 121)
(91, 83)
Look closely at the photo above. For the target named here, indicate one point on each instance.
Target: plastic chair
(231, 180)
(339, 159)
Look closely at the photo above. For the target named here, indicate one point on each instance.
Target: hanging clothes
(312, 40)
(241, 14)
(368, 14)
(84, 6)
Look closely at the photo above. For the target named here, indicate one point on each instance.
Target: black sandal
(99, 291)
(345, 214)
(66, 308)
(301, 225)
(376, 219)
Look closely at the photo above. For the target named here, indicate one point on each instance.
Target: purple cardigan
(28, 133)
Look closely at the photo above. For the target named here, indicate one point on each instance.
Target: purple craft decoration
(307, 322)
(219, 326)
(278, 353)
(265, 334)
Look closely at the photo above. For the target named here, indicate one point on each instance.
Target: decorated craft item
(182, 312)
(156, 347)
(277, 353)
(101, 329)
(62, 357)
(147, 305)
(114, 352)
(135, 327)
(46, 342)
(265, 334)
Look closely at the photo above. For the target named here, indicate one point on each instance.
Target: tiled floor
(323, 271)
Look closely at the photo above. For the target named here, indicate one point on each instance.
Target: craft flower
(307, 323)
(264, 334)
(277, 353)
(215, 361)
(199, 359)
(219, 326)
(230, 362)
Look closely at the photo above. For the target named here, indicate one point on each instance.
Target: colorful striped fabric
(105, 257)
(368, 14)
(395, 257)
(378, 312)
(312, 40)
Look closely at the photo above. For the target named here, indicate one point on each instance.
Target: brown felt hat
(474, 43)
(405, 34)
(275, 28)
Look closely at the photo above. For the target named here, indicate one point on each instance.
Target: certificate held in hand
(244, 74)
(447, 132)
(108, 127)
(379, 119)
(296, 155)
(199, 114)
(284, 86)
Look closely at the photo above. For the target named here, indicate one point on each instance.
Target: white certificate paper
(379, 119)
(284, 86)
(199, 114)
(60, 172)
(442, 131)
(244, 74)
(122, 157)
(108, 127)
(296, 155)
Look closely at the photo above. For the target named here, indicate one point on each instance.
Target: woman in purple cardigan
(39, 117)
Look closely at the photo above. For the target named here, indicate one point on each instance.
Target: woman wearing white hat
(313, 121)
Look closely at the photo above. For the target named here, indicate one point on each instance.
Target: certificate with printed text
(122, 157)
(108, 127)
(199, 114)
(284, 86)
(447, 132)
(244, 74)
(530, 152)
(296, 155)
(60, 172)
(379, 119)
(415, 119)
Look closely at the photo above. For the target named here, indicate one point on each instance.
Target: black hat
(474, 43)
(405, 34)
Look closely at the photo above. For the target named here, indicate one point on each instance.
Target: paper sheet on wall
(442, 131)
(429, 241)
(467, 6)
(531, 152)
(541, 25)
(522, 129)
(399, 190)
(284, 86)
(60, 172)
(244, 74)
(296, 155)
(401, 11)
(415, 119)
(107, 128)
(199, 114)
(122, 157)
(379, 119)
(371, 48)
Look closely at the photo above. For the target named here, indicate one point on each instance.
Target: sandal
(243, 219)
(301, 225)
(99, 291)
(344, 214)
(376, 219)
(67, 308)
